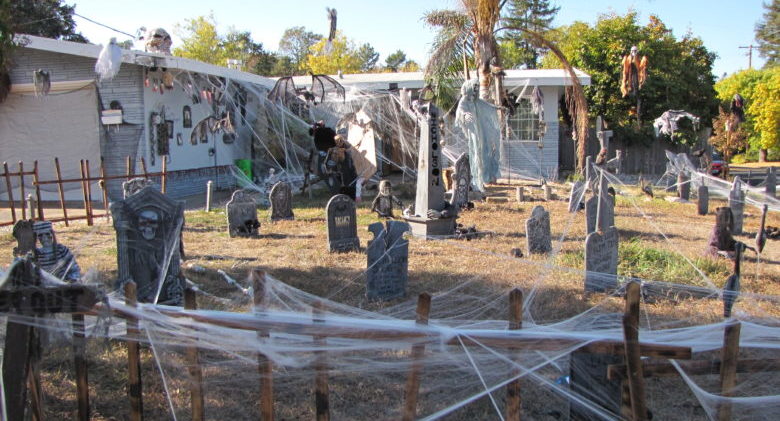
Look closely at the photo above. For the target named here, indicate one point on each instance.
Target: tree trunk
(762, 155)
(484, 51)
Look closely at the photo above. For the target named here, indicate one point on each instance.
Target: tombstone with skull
(148, 231)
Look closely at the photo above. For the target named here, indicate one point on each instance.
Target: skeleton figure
(383, 202)
(147, 261)
(158, 41)
(53, 257)
(634, 72)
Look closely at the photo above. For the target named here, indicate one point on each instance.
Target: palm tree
(471, 31)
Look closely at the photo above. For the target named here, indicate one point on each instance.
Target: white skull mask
(148, 222)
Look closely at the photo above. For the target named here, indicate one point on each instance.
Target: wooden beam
(61, 190)
(133, 358)
(412, 389)
(728, 374)
(692, 368)
(265, 366)
(38, 192)
(21, 190)
(80, 364)
(513, 401)
(193, 364)
(636, 383)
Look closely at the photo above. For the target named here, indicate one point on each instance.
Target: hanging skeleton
(634, 72)
(668, 121)
(109, 61)
(332, 21)
(42, 82)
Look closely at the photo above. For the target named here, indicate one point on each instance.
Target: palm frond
(446, 19)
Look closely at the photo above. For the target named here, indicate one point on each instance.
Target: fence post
(412, 389)
(22, 196)
(265, 367)
(84, 192)
(636, 383)
(209, 186)
(30, 205)
(133, 357)
(196, 374)
(129, 167)
(321, 388)
(164, 173)
(80, 364)
(143, 168)
(9, 190)
(513, 401)
(104, 187)
(38, 192)
(61, 191)
(728, 367)
(89, 192)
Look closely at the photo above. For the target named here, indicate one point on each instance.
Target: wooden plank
(728, 374)
(80, 179)
(41, 217)
(321, 388)
(129, 167)
(80, 364)
(84, 191)
(513, 400)
(693, 368)
(633, 357)
(143, 168)
(89, 192)
(61, 191)
(104, 187)
(21, 190)
(164, 173)
(412, 390)
(264, 365)
(10, 191)
(15, 368)
(193, 363)
(133, 357)
(34, 378)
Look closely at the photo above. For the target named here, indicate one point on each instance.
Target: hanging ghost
(634, 72)
(42, 82)
(109, 61)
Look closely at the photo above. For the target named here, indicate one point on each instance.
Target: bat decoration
(212, 124)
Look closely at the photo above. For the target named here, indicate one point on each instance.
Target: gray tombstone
(771, 182)
(607, 215)
(520, 192)
(25, 237)
(704, 200)
(341, 218)
(576, 196)
(737, 204)
(537, 231)
(547, 192)
(683, 186)
(148, 233)
(462, 181)
(131, 187)
(388, 261)
(601, 260)
(241, 213)
(281, 201)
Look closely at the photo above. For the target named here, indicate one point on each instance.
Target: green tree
(45, 18)
(679, 74)
(410, 66)
(296, 44)
(340, 55)
(368, 57)
(532, 15)
(394, 61)
(761, 92)
(284, 66)
(768, 33)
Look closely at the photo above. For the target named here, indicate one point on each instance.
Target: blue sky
(391, 25)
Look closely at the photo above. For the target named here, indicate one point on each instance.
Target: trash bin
(245, 165)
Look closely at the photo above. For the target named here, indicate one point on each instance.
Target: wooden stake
(265, 367)
(513, 401)
(84, 191)
(728, 368)
(60, 189)
(133, 358)
(164, 173)
(21, 189)
(636, 383)
(9, 190)
(38, 191)
(80, 364)
(143, 168)
(193, 363)
(104, 187)
(34, 379)
(412, 390)
(321, 391)
(89, 192)
(129, 167)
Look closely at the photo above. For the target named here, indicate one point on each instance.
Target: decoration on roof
(158, 41)
(42, 82)
(109, 61)
(332, 21)
(668, 121)
(634, 72)
(321, 85)
(285, 93)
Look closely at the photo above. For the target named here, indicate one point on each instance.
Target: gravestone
(131, 187)
(607, 215)
(601, 260)
(241, 213)
(537, 231)
(547, 192)
(703, 200)
(433, 216)
(388, 261)
(576, 196)
(25, 237)
(148, 233)
(342, 224)
(683, 186)
(737, 205)
(281, 201)
(520, 192)
(462, 181)
(771, 182)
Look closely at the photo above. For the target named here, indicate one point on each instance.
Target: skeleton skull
(46, 239)
(158, 41)
(148, 221)
(384, 188)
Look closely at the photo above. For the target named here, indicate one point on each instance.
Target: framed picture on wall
(187, 117)
(169, 123)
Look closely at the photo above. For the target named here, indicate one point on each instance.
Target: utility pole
(749, 54)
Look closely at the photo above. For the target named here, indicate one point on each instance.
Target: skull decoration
(158, 41)
(148, 221)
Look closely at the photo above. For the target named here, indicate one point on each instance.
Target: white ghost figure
(109, 61)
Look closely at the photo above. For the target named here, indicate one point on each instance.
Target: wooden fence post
(60, 189)
(513, 401)
(80, 364)
(9, 190)
(163, 177)
(728, 367)
(129, 167)
(104, 187)
(636, 383)
(84, 192)
(133, 357)
(412, 389)
(143, 168)
(89, 192)
(38, 191)
(196, 374)
(265, 367)
(321, 391)
(21, 189)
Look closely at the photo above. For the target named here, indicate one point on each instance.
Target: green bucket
(245, 165)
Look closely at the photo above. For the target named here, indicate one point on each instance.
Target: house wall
(521, 158)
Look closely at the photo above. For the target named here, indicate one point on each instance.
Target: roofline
(140, 58)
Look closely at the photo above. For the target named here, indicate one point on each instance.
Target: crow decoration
(761, 234)
(731, 289)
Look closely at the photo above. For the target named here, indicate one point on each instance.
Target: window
(524, 124)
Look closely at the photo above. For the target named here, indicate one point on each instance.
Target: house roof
(142, 58)
(415, 80)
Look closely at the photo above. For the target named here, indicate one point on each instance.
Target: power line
(749, 54)
(103, 25)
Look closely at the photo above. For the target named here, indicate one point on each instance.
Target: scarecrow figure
(634, 73)
(384, 200)
(52, 256)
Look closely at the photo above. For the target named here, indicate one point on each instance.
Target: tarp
(62, 124)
